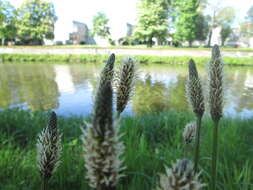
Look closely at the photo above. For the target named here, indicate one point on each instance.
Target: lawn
(152, 141)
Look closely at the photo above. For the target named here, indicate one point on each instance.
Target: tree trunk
(3, 41)
(223, 42)
(190, 43)
(149, 43)
(210, 38)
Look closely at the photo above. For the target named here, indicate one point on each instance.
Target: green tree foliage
(202, 27)
(7, 21)
(152, 21)
(187, 20)
(36, 19)
(250, 15)
(220, 16)
(225, 16)
(247, 26)
(100, 25)
(225, 33)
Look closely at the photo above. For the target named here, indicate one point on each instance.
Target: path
(64, 51)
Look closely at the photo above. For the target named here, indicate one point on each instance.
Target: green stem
(117, 115)
(44, 185)
(215, 154)
(104, 187)
(197, 144)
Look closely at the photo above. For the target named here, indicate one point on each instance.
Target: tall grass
(151, 141)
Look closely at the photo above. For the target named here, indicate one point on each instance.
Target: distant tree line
(185, 21)
(179, 21)
(32, 23)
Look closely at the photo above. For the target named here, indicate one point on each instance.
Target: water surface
(69, 89)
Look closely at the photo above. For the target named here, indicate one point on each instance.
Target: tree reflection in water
(68, 89)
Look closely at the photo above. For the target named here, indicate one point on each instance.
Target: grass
(151, 140)
(143, 47)
(102, 58)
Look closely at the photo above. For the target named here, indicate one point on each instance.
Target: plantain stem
(197, 144)
(215, 154)
(44, 185)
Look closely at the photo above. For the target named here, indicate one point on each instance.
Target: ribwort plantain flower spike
(102, 145)
(49, 150)
(103, 99)
(194, 90)
(196, 100)
(180, 177)
(216, 84)
(189, 133)
(127, 76)
(215, 71)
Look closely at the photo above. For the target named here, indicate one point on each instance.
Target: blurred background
(133, 22)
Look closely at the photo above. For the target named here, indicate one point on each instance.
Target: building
(80, 34)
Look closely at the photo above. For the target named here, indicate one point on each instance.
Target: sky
(119, 13)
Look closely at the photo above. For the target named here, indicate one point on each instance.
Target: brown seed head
(49, 148)
(216, 84)
(102, 119)
(127, 76)
(189, 132)
(194, 90)
(180, 177)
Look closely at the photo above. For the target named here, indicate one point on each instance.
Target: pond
(69, 88)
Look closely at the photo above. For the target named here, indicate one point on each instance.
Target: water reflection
(69, 89)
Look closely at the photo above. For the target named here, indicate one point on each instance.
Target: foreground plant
(49, 150)
(216, 104)
(180, 177)
(102, 145)
(196, 100)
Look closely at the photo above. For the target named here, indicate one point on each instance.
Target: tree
(100, 25)
(225, 33)
(225, 16)
(249, 16)
(220, 16)
(152, 21)
(7, 21)
(186, 23)
(202, 27)
(36, 19)
(247, 26)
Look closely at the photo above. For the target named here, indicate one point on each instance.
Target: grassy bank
(152, 141)
(101, 58)
(142, 47)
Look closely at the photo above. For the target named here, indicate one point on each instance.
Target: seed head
(180, 177)
(107, 72)
(194, 90)
(103, 158)
(189, 132)
(127, 76)
(102, 145)
(49, 148)
(215, 70)
(103, 99)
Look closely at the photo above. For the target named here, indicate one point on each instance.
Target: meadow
(152, 141)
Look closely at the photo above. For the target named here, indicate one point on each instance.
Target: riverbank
(67, 50)
(140, 47)
(151, 141)
(99, 58)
